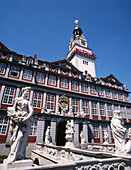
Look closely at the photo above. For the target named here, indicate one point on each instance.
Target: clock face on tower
(82, 42)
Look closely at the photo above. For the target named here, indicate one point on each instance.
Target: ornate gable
(111, 79)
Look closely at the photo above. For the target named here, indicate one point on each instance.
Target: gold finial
(76, 22)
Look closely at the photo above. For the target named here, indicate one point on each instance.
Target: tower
(79, 53)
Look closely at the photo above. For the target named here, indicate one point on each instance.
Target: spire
(77, 31)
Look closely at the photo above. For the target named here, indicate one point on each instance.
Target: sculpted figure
(47, 136)
(119, 132)
(106, 137)
(20, 121)
(70, 113)
(83, 141)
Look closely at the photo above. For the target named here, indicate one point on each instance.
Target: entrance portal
(61, 134)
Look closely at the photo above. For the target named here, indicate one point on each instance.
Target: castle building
(63, 90)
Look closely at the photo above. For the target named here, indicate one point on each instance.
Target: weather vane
(76, 22)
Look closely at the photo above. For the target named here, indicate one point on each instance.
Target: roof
(112, 78)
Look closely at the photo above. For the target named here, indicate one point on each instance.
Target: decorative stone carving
(63, 103)
(45, 110)
(83, 141)
(47, 136)
(119, 133)
(106, 137)
(69, 134)
(81, 114)
(70, 113)
(20, 120)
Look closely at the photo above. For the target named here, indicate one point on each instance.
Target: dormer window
(14, 71)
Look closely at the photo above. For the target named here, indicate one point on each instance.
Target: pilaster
(1, 94)
(85, 131)
(21, 73)
(40, 130)
(98, 108)
(90, 109)
(31, 96)
(76, 134)
(109, 133)
(34, 75)
(92, 137)
(101, 137)
(7, 70)
(106, 112)
(58, 82)
(53, 131)
(46, 79)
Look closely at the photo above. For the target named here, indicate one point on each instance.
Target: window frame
(9, 96)
(96, 130)
(3, 68)
(27, 73)
(102, 110)
(85, 106)
(39, 78)
(50, 103)
(37, 101)
(92, 89)
(64, 83)
(75, 105)
(14, 71)
(52, 80)
(94, 109)
(84, 87)
(75, 85)
(4, 120)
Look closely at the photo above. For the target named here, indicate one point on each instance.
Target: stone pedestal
(69, 145)
(83, 146)
(18, 164)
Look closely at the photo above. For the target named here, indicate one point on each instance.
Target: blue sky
(44, 27)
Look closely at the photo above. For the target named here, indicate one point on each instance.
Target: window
(122, 111)
(64, 83)
(75, 104)
(52, 80)
(14, 71)
(27, 74)
(119, 95)
(33, 128)
(74, 85)
(95, 130)
(8, 95)
(115, 107)
(128, 111)
(109, 110)
(92, 89)
(102, 109)
(104, 128)
(126, 96)
(84, 87)
(40, 77)
(37, 100)
(3, 124)
(100, 91)
(50, 102)
(107, 92)
(94, 108)
(2, 68)
(85, 62)
(114, 94)
(85, 106)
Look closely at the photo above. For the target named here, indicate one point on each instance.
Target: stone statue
(119, 132)
(106, 137)
(69, 134)
(70, 113)
(20, 121)
(83, 141)
(47, 136)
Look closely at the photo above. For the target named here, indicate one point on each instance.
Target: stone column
(53, 131)
(1, 94)
(58, 82)
(85, 131)
(46, 79)
(21, 73)
(90, 109)
(7, 70)
(31, 96)
(44, 99)
(92, 138)
(17, 92)
(76, 135)
(99, 116)
(109, 133)
(101, 137)
(106, 112)
(34, 75)
(40, 130)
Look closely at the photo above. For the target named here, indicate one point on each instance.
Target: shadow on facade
(60, 141)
